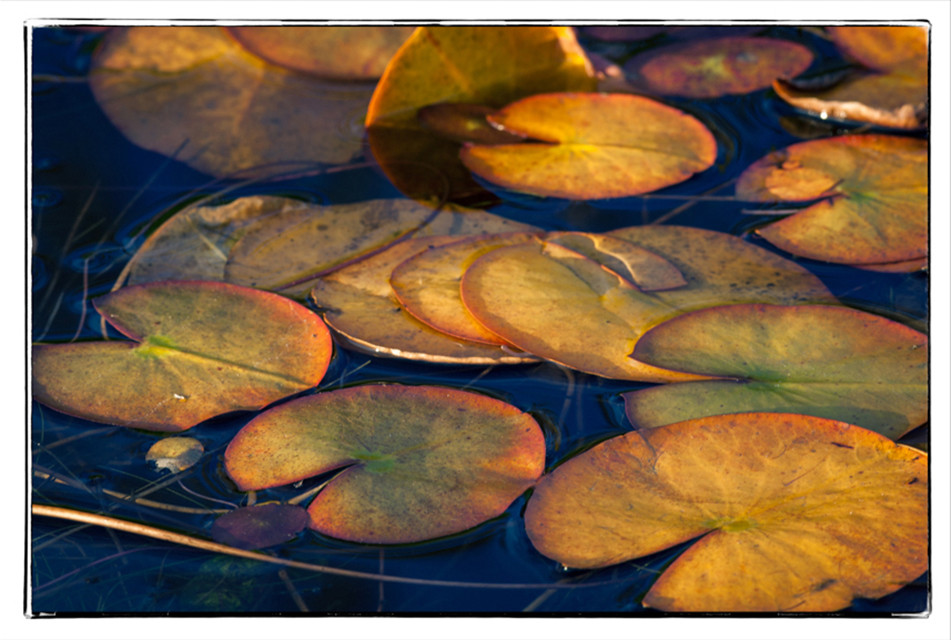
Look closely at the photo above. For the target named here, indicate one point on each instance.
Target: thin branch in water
(295, 596)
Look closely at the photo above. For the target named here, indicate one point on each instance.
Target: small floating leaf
(175, 453)
(336, 52)
(791, 513)
(712, 68)
(417, 462)
(196, 94)
(485, 65)
(874, 198)
(593, 146)
(259, 526)
(200, 349)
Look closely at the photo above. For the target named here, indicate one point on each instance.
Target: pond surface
(95, 195)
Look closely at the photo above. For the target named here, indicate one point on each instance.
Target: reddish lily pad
(712, 68)
(872, 192)
(195, 94)
(593, 146)
(487, 65)
(417, 462)
(831, 362)
(789, 512)
(199, 349)
(337, 52)
(259, 526)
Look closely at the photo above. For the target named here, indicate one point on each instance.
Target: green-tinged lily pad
(418, 462)
(175, 454)
(790, 513)
(199, 349)
(337, 52)
(195, 94)
(716, 67)
(358, 302)
(831, 362)
(872, 192)
(286, 251)
(560, 305)
(486, 65)
(259, 526)
(593, 145)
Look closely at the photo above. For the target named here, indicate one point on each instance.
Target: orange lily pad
(831, 362)
(711, 68)
(195, 94)
(198, 350)
(417, 462)
(486, 65)
(462, 122)
(883, 48)
(593, 146)
(786, 512)
(872, 192)
(337, 52)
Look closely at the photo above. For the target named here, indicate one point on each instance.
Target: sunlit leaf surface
(716, 67)
(339, 52)
(194, 93)
(872, 193)
(259, 526)
(593, 145)
(175, 453)
(200, 349)
(491, 66)
(792, 513)
(359, 303)
(418, 462)
(883, 48)
(463, 122)
(560, 305)
(832, 362)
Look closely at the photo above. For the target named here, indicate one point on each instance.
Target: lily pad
(788, 513)
(462, 122)
(193, 93)
(359, 303)
(175, 454)
(486, 65)
(259, 526)
(883, 48)
(593, 146)
(560, 305)
(716, 67)
(336, 52)
(831, 362)
(199, 349)
(417, 462)
(872, 193)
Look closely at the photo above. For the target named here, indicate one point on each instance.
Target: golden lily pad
(195, 94)
(789, 513)
(883, 48)
(556, 303)
(462, 122)
(337, 52)
(175, 453)
(360, 305)
(831, 362)
(490, 66)
(417, 462)
(716, 67)
(593, 145)
(199, 349)
(872, 192)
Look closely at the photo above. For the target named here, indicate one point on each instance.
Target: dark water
(95, 193)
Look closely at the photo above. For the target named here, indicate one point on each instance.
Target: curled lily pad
(175, 453)
(787, 512)
(195, 94)
(831, 362)
(337, 52)
(593, 145)
(260, 525)
(486, 65)
(711, 68)
(556, 303)
(417, 462)
(198, 349)
(872, 193)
